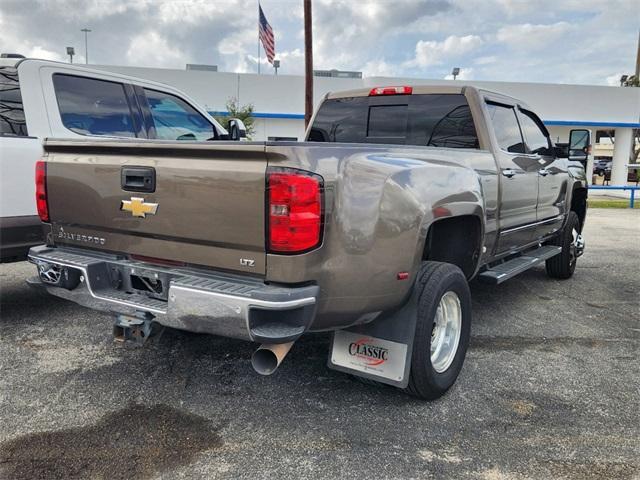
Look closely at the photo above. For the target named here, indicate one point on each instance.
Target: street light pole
(86, 45)
(308, 64)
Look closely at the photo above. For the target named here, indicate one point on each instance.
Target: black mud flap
(379, 350)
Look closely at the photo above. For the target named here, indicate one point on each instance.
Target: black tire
(563, 265)
(434, 280)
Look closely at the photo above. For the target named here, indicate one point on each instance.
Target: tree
(241, 112)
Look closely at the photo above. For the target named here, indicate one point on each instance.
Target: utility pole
(86, 45)
(308, 64)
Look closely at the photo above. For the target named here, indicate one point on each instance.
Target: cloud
(348, 34)
(613, 80)
(511, 40)
(379, 68)
(488, 60)
(151, 47)
(434, 53)
(530, 36)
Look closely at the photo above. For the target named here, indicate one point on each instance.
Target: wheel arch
(456, 240)
(578, 203)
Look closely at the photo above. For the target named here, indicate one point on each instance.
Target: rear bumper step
(517, 265)
(183, 298)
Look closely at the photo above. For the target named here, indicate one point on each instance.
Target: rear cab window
(175, 119)
(90, 106)
(438, 120)
(12, 120)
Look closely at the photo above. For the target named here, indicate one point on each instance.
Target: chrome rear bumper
(187, 299)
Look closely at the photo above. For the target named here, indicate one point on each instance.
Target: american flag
(266, 36)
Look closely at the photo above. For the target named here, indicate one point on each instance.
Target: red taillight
(390, 91)
(41, 191)
(295, 211)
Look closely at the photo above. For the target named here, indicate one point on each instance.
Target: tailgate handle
(138, 179)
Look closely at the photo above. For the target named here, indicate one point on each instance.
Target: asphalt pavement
(550, 389)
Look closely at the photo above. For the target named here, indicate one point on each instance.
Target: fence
(633, 190)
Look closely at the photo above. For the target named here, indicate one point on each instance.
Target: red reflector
(390, 91)
(403, 275)
(295, 211)
(41, 191)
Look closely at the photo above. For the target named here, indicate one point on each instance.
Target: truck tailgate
(207, 207)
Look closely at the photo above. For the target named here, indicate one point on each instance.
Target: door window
(89, 106)
(175, 119)
(442, 121)
(507, 130)
(536, 139)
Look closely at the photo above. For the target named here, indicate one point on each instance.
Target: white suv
(40, 99)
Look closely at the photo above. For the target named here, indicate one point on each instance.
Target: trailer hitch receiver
(136, 329)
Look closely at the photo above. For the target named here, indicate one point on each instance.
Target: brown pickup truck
(371, 228)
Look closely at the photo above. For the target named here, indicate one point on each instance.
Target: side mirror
(236, 129)
(579, 145)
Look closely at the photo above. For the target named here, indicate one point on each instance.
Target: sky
(552, 41)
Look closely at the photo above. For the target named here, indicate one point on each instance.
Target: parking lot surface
(550, 389)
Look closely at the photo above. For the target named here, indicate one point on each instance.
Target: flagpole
(259, 38)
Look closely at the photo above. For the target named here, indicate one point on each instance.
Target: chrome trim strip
(531, 225)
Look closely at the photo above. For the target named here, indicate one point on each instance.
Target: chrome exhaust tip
(267, 358)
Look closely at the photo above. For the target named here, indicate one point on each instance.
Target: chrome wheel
(573, 248)
(445, 334)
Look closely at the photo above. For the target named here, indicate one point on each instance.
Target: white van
(40, 99)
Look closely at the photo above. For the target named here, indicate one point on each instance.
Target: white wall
(276, 127)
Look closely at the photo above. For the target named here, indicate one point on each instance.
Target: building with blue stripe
(279, 102)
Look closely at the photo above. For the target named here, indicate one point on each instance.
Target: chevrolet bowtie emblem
(138, 207)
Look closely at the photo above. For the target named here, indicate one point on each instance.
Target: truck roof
(418, 89)
(15, 62)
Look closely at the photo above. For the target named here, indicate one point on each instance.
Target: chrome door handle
(508, 172)
(543, 172)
